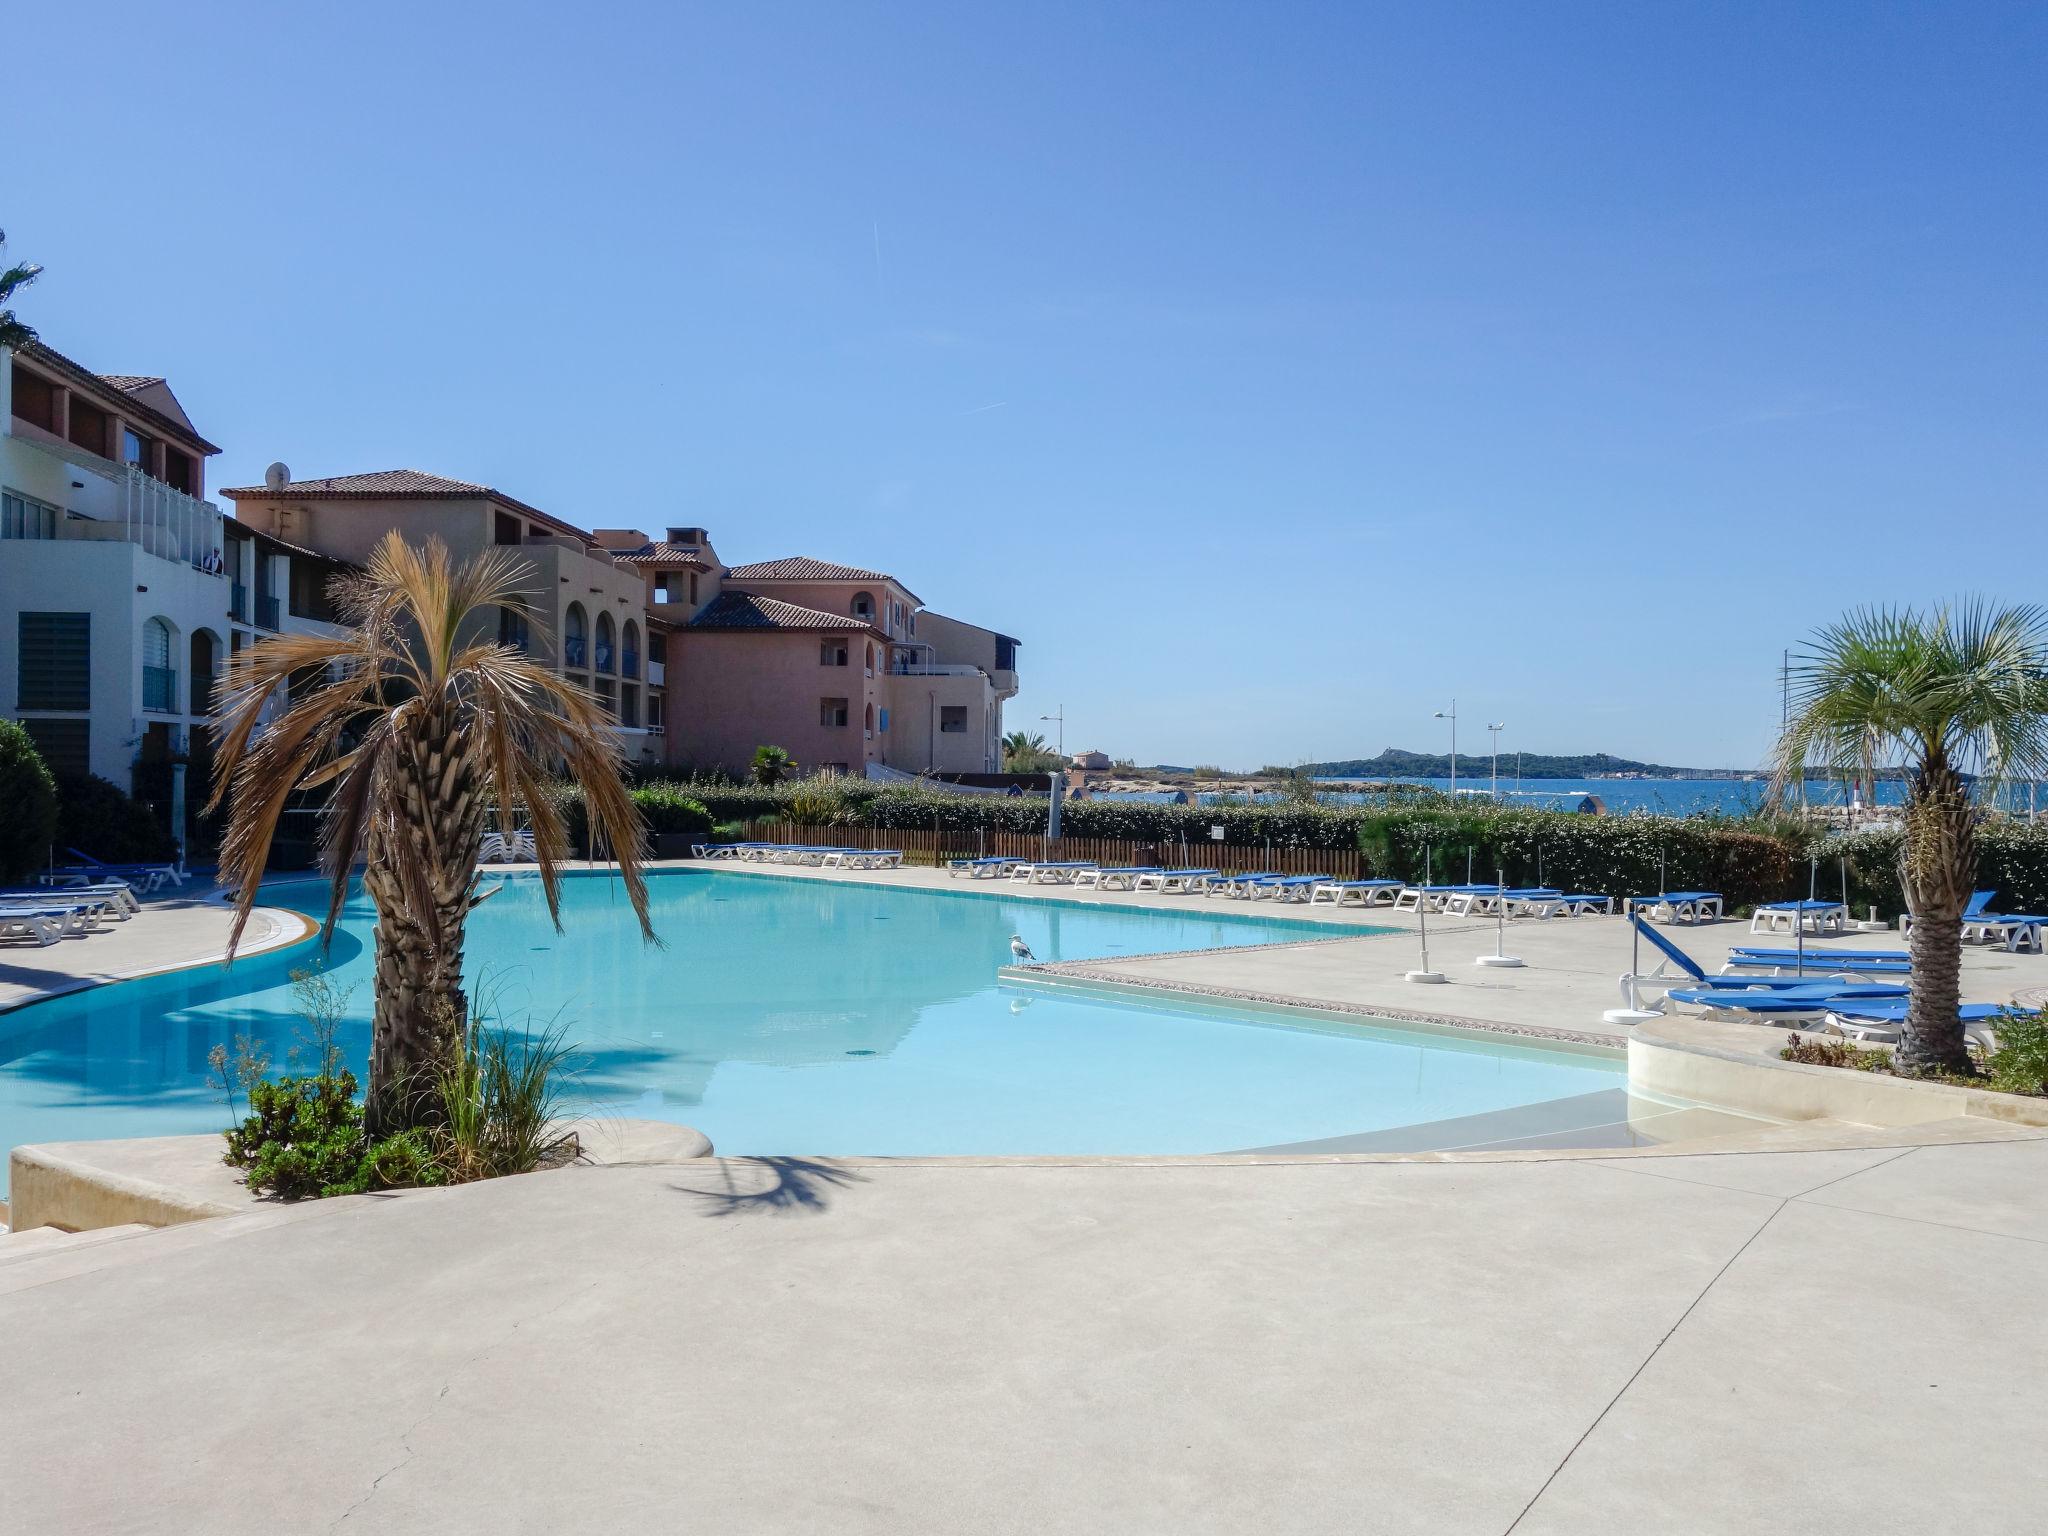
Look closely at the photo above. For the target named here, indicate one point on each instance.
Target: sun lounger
(1776, 1004)
(995, 866)
(1058, 872)
(1879, 1022)
(863, 858)
(118, 898)
(1679, 906)
(71, 917)
(1412, 897)
(1178, 882)
(1821, 961)
(30, 923)
(1287, 888)
(1117, 876)
(1366, 893)
(1818, 917)
(173, 872)
(1241, 886)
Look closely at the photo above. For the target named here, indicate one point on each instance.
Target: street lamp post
(1497, 727)
(1061, 717)
(1451, 715)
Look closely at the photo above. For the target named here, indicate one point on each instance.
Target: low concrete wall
(161, 1181)
(1736, 1067)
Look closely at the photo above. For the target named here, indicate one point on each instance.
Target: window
(654, 712)
(832, 712)
(629, 705)
(608, 695)
(629, 650)
(605, 634)
(136, 449)
(512, 629)
(883, 723)
(52, 665)
(178, 472)
(504, 528)
(23, 517)
(89, 426)
(657, 647)
(159, 677)
(693, 586)
(64, 744)
(953, 717)
(35, 399)
(868, 722)
(871, 658)
(863, 606)
(831, 653)
(575, 645)
(661, 590)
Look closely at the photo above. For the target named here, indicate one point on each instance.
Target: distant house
(841, 666)
(1094, 761)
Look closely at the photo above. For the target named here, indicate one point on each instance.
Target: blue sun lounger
(1879, 1022)
(1778, 1003)
(1821, 961)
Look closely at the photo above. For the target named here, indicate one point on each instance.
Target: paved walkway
(1811, 1342)
(180, 928)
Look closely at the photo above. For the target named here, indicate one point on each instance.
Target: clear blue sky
(1275, 372)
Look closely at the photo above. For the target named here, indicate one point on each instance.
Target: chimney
(688, 536)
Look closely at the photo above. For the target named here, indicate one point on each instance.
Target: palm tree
(14, 334)
(1024, 753)
(772, 765)
(424, 736)
(1957, 693)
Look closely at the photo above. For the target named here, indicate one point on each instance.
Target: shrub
(94, 815)
(2020, 1064)
(772, 765)
(304, 1137)
(28, 826)
(1833, 1053)
(2012, 858)
(499, 1104)
(665, 808)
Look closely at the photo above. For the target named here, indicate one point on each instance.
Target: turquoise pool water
(795, 1016)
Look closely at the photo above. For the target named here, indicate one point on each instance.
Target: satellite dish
(277, 477)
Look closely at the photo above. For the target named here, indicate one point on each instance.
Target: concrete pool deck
(1803, 1342)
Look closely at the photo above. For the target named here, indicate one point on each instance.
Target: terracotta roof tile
(383, 482)
(128, 383)
(668, 554)
(42, 352)
(797, 568)
(743, 610)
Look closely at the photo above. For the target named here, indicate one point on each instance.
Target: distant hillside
(1395, 763)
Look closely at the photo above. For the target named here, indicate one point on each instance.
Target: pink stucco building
(841, 667)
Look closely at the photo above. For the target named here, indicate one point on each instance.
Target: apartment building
(590, 621)
(840, 666)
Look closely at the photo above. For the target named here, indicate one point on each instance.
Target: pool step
(37, 1241)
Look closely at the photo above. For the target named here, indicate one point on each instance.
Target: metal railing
(574, 650)
(266, 613)
(238, 603)
(160, 690)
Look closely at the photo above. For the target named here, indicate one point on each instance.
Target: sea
(1657, 797)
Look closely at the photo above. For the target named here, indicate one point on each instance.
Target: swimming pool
(788, 1015)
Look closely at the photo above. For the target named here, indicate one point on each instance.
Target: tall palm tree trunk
(421, 1008)
(1938, 866)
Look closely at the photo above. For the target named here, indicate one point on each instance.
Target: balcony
(575, 652)
(118, 502)
(936, 669)
(238, 603)
(629, 664)
(160, 690)
(266, 612)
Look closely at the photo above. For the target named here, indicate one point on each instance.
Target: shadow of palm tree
(782, 1184)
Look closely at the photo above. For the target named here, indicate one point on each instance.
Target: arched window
(863, 606)
(159, 676)
(869, 723)
(629, 650)
(871, 658)
(575, 645)
(606, 659)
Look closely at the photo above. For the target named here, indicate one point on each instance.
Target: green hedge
(95, 816)
(28, 826)
(2012, 859)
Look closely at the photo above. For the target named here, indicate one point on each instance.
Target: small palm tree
(1957, 693)
(772, 765)
(1025, 753)
(422, 737)
(14, 333)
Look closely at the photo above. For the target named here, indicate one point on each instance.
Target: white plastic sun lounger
(1059, 872)
(993, 867)
(1679, 906)
(116, 899)
(30, 923)
(1818, 917)
(1116, 877)
(1364, 893)
(1178, 882)
(863, 858)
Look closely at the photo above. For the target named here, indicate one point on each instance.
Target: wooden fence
(931, 847)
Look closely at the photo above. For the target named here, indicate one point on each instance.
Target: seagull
(1019, 948)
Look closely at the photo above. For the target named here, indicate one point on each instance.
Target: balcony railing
(935, 669)
(604, 657)
(238, 604)
(266, 613)
(575, 651)
(160, 690)
(629, 664)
